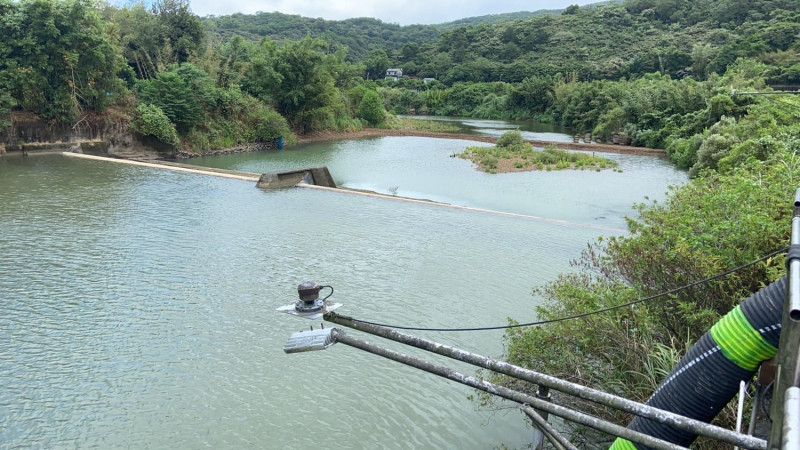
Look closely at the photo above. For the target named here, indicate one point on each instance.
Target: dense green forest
(672, 74)
(651, 70)
(358, 36)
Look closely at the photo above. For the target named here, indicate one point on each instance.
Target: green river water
(137, 306)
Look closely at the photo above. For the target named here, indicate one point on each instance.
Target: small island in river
(512, 154)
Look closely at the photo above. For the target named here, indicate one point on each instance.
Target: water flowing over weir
(139, 305)
(422, 168)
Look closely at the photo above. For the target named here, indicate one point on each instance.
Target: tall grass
(396, 123)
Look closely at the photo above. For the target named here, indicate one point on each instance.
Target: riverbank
(136, 152)
(323, 136)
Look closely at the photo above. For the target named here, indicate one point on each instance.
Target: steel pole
(603, 398)
(791, 419)
(788, 372)
(509, 394)
(551, 433)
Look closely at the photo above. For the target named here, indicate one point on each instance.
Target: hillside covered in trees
(358, 36)
(214, 79)
(679, 38)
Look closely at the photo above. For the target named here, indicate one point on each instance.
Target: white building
(394, 74)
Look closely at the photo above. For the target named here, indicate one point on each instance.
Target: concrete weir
(176, 167)
(317, 178)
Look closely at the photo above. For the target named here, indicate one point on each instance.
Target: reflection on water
(529, 129)
(138, 305)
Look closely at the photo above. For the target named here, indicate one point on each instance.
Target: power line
(792, 106)
(578, 316)
(735, 92)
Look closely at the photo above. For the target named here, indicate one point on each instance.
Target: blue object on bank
(280, 143)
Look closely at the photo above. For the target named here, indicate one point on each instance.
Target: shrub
(705, 227)
(510, 139)
(271, 125)
(150, 120)
(371, 108)
(185, 94)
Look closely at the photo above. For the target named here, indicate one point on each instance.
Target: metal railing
(603, 398)
(785, 414)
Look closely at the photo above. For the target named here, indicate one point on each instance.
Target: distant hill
(360, 35)
(605, 40)
(618, 40)
(490, 19)
(495, 18)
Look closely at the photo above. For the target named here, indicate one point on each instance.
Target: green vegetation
(511, 153)
(735, 210)
(56, 58)
(359, 36)
(649, 71)
(185, 94)
(371, 108)
(432, 126)
(150, 120)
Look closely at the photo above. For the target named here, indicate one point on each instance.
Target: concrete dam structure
(316, 176)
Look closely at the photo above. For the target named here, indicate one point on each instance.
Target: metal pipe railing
(509, 394)
(552, 434)
(788, 370)
(603, 398)
(791, 419)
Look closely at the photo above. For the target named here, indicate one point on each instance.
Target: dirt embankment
(322, 136)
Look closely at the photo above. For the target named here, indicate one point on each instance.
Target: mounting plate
(290, 309)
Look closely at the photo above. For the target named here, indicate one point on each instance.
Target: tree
(181, 30)
(571, 10)
(185, 94)
(702, 54)
(375, 64)
(409, 51)
(371, 108)
(440, 63)
(58, 59)
(140, 34)
(234, 56)
(297, 78)
(534, 94)
(6, 100)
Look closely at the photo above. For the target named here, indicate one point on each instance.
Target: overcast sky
(403, 12)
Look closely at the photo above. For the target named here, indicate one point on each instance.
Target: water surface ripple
(137, 310)
(421, 167)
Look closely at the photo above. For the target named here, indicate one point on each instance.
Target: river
(420, 167)
(138, 306)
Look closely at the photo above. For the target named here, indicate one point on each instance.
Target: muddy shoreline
(323, 136)
(130, 152)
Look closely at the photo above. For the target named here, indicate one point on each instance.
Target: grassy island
(512, 154)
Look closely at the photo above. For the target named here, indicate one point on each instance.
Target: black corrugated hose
(708, 376)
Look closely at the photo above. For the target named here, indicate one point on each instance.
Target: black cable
(787, 105)
(763, 405)
(578, 316)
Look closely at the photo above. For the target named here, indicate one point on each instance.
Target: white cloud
(403, 12)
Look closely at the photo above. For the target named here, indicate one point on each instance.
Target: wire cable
(792, 106)
(578, 316)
